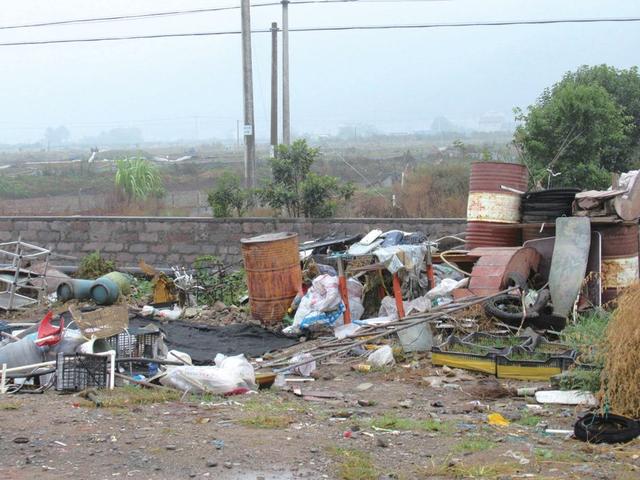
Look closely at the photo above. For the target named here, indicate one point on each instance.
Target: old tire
(596, 428)
(508, 308)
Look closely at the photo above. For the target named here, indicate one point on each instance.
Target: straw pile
(621, 375)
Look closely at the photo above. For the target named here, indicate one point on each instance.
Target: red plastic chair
(49, 334)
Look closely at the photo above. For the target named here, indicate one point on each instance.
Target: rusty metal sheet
(489, 275)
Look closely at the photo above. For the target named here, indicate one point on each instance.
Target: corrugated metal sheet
(489, 275)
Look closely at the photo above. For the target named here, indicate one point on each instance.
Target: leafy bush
(93, 266)
(229, 196)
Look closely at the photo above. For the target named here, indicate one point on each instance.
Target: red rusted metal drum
(491, 271)
(490, 205)
(488, 234)
(272, 263)
(619, 258)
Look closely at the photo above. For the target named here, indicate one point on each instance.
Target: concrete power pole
(274, 88)
(247, 91)
(286, 117)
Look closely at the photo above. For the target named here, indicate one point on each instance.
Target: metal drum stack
(493, 212)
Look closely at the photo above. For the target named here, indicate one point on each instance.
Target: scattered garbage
(381, 357)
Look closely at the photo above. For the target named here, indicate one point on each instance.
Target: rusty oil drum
(619, 258)
(490, 208)
(272, 263)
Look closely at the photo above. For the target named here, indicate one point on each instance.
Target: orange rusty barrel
(619, 258)
(272, 263)
(488, 234)
(490, 206)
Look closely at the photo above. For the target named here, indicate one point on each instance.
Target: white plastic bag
(381, 357)
(228, 374)
(306, 369)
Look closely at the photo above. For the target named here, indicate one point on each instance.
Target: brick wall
(165, 241)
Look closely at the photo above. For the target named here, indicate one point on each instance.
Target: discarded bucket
(105, 291)
(78, 289)
(417, 338)
(272, 263)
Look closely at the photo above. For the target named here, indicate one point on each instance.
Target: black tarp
(202, 342)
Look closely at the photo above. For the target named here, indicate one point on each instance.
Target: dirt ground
(411, 421)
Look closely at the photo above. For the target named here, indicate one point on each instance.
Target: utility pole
(247, 91)
(274, 88)
(286, 117)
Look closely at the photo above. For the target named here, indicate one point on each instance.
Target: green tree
(228, 195)
(297, 190)
(624, 87)
(138, 179)
(577, 130)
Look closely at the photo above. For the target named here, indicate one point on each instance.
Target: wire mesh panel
(78, 371)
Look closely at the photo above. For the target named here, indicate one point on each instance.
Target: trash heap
(510, 298)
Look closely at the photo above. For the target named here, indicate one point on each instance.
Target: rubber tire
(492, 309)
(594, 428)
(514, 319)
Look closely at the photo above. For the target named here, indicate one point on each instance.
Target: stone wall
(166, 241)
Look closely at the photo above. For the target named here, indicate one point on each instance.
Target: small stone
(406, 403)
(314, 450)
(382, 442)
(437, 404)
(212, 463)
(192, 475)
(171, 447)
(364, 386)
(21, 440)
(228, 465)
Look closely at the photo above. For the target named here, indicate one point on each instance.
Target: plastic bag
(228, 375)
(381, 357)
(306, 369)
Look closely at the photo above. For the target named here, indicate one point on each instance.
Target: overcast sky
(391, 79)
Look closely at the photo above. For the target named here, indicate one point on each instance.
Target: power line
(142, 16)
(498, 23)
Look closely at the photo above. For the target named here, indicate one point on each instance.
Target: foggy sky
(393, 80)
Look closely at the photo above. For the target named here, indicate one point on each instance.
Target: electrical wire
(142, 16)
(499, 23)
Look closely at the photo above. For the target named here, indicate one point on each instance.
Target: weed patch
(392, 422)
(355, 464)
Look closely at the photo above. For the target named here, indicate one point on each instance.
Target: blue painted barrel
(74, 288)
(105, 291)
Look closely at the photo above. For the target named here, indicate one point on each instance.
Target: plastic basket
(541, 366)
(497, 343)
(135, 343)
(78, 371)
(452, 354)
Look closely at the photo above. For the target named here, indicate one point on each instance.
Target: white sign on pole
(248, 130)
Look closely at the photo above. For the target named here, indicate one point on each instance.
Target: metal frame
(19, 252)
